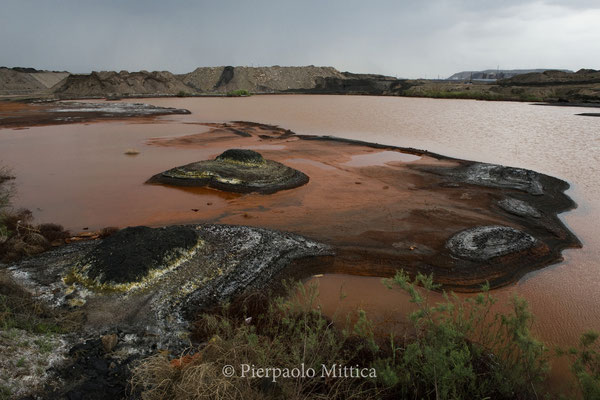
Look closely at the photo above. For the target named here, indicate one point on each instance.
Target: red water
(60, 168)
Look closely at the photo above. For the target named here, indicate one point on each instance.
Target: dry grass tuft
(259, 330)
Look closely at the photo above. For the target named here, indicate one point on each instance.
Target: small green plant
(239, 93)
(43, 344)
(586, 364)
(183, 93)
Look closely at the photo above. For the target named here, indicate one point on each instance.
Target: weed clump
(457, 349)
(18, 236)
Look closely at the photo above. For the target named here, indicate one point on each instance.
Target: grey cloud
(403, 38)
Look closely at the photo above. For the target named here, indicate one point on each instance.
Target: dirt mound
(135, 253)
(111, 83)
(257, 79)
(14, 82)
(28, 81)
(239, 171)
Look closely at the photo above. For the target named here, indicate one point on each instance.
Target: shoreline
(442, 190)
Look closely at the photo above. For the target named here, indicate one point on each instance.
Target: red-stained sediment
(383, 208)
(381, 213)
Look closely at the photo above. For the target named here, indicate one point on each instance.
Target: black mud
(130, 254)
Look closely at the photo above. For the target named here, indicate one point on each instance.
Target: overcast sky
(400, 38)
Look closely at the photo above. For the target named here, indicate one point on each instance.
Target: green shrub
(461, 349)
(239, 93)
(586, 364)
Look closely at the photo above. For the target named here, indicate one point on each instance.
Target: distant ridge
(557, 86)
(496, 73)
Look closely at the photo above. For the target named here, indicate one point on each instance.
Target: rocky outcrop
(485, 242)
(240, 171)
(198, 265)
(519, 207)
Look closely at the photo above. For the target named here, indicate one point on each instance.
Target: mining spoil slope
(14, 82)
(582, 86)
(494, 74)
(257, 79)
(108, 83)
(49, 79)
(554, 77)
(19, 82)
(551, 86)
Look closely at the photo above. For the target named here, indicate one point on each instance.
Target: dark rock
(243, 156)
(519, 207)
(484, 242)
(497, 176)
(241, 171)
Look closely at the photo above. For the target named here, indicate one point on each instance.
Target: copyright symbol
(228, 371)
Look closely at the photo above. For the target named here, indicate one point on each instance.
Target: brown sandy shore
(381, 207)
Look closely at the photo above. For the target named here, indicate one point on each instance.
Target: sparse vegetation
(459, 349)
(18, 310)
(255, 330)
(239, 93)
(183, 93)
